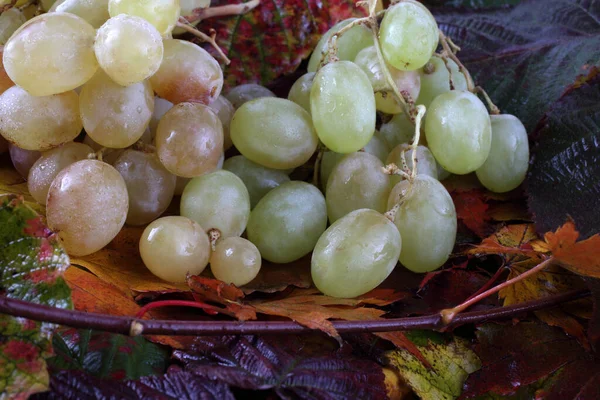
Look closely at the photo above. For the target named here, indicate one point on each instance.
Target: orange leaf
(512, 239)
(582, 257)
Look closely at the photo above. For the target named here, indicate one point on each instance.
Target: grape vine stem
(199, 14)
(185, 25)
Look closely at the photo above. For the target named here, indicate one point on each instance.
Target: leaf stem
(184, 24)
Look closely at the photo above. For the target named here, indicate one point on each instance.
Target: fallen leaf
(277, 277)
(229, 296)
(581, 257)
(471, 209)
(509, 240)
(11, 183)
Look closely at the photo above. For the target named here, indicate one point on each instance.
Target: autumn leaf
(229, 296)
(11, 183)
(277, 277)
(509, 240)
(471, 209)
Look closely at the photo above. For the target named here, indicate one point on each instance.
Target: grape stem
(449, 314)
(8, 6)
(494, 110)
(198, 14)
(420, 113)
(214, 235)
(185, 25)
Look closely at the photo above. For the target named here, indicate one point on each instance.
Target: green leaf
(451, 362)
(107, 355)
(31, 264)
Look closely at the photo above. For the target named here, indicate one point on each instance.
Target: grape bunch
(385, 112)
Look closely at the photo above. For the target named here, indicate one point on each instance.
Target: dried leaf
(510, 240)
(581, 257)
(277, 277)
(471, 209)
(229, 296)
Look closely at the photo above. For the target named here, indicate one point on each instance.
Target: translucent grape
(408, 35)
(5, 81)
(235, 260)
(342, 105)
(355, 254)
(246, 92)
(172, 247)
(10, 21)
(426, 221)
(397, 131)
(435, 80)
(218, 200)
(349, 44)
(187, 73)
(150, 186)
(378, 147)
(51, 53)
(87, 206)
(300, 91)
(39, 123)
(356, 182)
(129, 49)
(328, 163)
(161, 106)
(23, 159)
(287, 222)
(273, 132)
(225, 111)
(47, 167)
(259, 180)
(95, 12)
(426, 164)
(189, 140)
(459, 132)
(163, 14)
(506, 166)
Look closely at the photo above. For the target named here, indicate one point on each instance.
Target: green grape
(39, 123)
(235, 260)
(442, 173)
(435, 80)
(348, 45)
(287, 222)
(398, 130)
(342, 105)
(217, 200)
(259, 180)
(172, 247)
(357, 181)
(506, 166)
(225, 111)
(248, 91)
(10, 21)
(161, 106)
(95, 12)
(45, 169)
(113, 115)
(273, 132)
(87, 205)
(5, 81)
(23, 159)
(427, 223)
(426, 164)
(328, 163)
(300, 91)
(355, 254)
(378, 147)
(163, 14)
(408, 35)
(459, 132)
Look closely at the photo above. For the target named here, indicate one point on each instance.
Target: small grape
(459, 132)
(87, 206)
(355, 254)
(343, 107)
(5, 81)
(300, 91)
(23, 159)
(218, 200)
(398, 130)
(189, 140)
(187, 73)
(506, 166)
(426, 164)
(47, 167)
(172, 247)
(408, 35)
(129, 49)
(39, 123)
(161, 106)
(248, 91)
(235, 260)
(163, 14)
(225, 111)
(435, 80)
(95, 12)
(51, 53)
(287, 222)
(273, 132)
(10, 21)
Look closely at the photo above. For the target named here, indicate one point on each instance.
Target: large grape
(435, 80)
(355, 254)
(95, 12)
(163, 14)
(235, 260)
(5, 81)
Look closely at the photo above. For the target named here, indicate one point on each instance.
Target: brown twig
(222, 11)
(184, 24)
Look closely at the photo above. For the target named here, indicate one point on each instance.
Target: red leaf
(471, 209)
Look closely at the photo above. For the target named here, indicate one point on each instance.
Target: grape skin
(248, 91)
(426, 164)
(398, 130)
(95, 12)
(163, 14)
(437, 80)
(5, 81)
(10, 21)
(23, 159)
(225, 111)
(235, 260)
(300, 91)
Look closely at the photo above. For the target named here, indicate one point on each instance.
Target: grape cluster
(157, 126)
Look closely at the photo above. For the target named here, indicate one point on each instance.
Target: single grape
(248, 91)
(189, 140)
(23, 159)
(300, 91)
(273, 132)
(357, 181)
(113, 115)
(459, 132)
(355, 254)
(172, 247)
(225, 111)
(5, 81)
(161, 106)
(218, 200)
(342, 105)
(95, 12)
(348, 45)
(39, 123)
(377, 146)
(51, 53)
(47, 167)
(427, 223)
(398, 130)
(259, 180)
(287, 222)
(187, 73)
(235, 260)
(87, 206)
(328, 162)
(506, 166)
(435, 80)
(10, 21)
(426, 164)
(163, 14)
(150, 186)
(129, 49)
